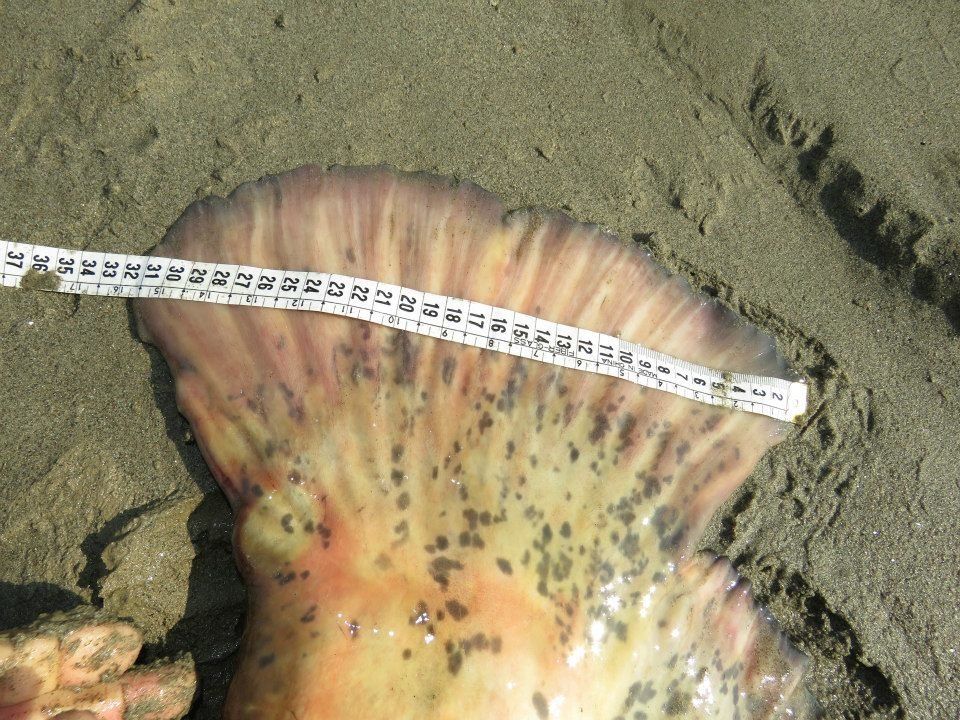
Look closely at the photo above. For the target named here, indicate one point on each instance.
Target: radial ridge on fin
(435, 531)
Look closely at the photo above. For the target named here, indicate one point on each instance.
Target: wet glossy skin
(447, 569)
(433, 531)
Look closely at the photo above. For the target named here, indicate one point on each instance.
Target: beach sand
(799, 163)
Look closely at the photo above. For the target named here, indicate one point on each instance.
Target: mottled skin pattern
(78, 666)
(435, 531)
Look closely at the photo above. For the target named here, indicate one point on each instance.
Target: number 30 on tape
(455, 319)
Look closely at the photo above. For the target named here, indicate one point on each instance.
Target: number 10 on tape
(449, 318)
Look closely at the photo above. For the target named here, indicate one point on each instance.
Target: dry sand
(798, 162)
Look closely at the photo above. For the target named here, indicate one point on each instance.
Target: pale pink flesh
(433, 531)
(62, 650)
(160, 692)
(76, 666)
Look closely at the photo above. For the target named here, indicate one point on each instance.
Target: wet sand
(801, 165)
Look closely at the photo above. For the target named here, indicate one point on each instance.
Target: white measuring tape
(448, 318)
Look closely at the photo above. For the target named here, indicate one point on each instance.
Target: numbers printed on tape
(449, 318)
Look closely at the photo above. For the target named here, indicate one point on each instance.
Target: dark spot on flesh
(265, 660)
(574, 454)
(630, 547)
(639, 692)
(420, 615)
(351, 257)
(682, 450)
(396, 476)
(673, 541)
(601, 424)
(295, 477)
(441, 567)
(470, 515)
(505, 567)
(477, 541)
(540, 705)
(651, 485)
(561, 568)
(477, 642)
(665, 519)
(485, 421)
(354, 626)
(284, 578)
(407, 653)
(446, 372)
(286, 522)
(403, 501)
(677, 704)
(547, 534)
(310, 615)
(396, 453)
(441, 542)
(304, 574)
(257, 491)
(457, 610)
(464, 539)
(405, 353)
(454, 663)
(627, 425)
(565, 530)
(510, 448)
